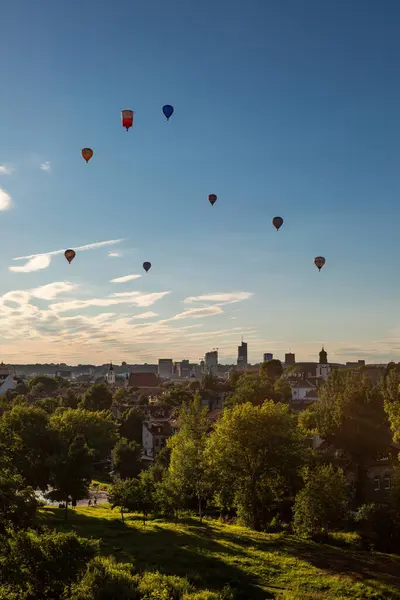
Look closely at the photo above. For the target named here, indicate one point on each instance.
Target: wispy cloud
(5, 200)
(137, 299)
(40, 261)
(226, 298)
(112, 254)
(197, 313)
(146, 315)
(45, 166)
(5, 170)
(52, 290)
(43, 260)
(124, 278)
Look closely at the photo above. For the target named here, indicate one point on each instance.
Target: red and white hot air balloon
(127, 119)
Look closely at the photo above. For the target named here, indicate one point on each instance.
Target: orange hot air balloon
(212, 198)
(70, 255)
(87, 154)
(127, 118)
(319, 262)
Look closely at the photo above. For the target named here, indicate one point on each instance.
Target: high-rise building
(268, 356)
(290, 358)
(242, 354)
(165, 368)
(211, 361)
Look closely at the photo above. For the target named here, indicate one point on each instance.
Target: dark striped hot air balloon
(212, 198)
(70, 255)
(146, 266)
(319, 262)
(277, 222)
(87, 154)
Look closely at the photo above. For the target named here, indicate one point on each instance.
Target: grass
(256, 565)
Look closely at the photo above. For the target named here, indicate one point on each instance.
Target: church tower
(323, 357)
(111, 375)
(323, 368)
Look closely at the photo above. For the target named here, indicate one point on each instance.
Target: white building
(110, 377)
(8, 381)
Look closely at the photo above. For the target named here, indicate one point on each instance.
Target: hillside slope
(256, 565)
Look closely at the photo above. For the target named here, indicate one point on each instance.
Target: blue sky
(281, 108)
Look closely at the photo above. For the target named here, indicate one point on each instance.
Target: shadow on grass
(357, 564)
(187, 551)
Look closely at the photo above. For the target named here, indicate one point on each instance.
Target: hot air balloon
(87, 154)
(168, 111)
(277, 222)
(70, 255)
(146, 266)
(319, 262)
(127, 118)
(212, 198)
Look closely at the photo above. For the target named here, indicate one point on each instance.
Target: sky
(281, 108)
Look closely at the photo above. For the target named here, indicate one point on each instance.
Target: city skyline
(299, 119)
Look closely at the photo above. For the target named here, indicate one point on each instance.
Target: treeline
(255, 465)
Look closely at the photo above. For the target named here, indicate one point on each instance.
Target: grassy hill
(257, 566)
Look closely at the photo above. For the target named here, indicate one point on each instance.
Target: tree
(72, 470)
(50, 405)
(69, 399)
(256, 451)
(252, 388)
(322, 505)
(351, 417)
(272, 369)
(17, 502)
(106, 579)
(122, 398)
(98, 429)
(391, 391)
(176, 395)
(187, 468)
(48, 384)
(97, 397)
(126, 458)
(132, 425)
(43, 565)
(27, 439)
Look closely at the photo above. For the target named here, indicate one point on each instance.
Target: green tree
(391, 391)
(17, 502)
(272, 369)
(126, 458)
(132, 425)
(176, 395)
(256, 451)
(98, 429)
(97, 397)
(49, 384)
(69, 399)
(252, 388)
(43, 565)
(322, 505)
(351, 417)
(50, 405)
(71, 470)
(188, 469)
(27, 439)
(106, 579)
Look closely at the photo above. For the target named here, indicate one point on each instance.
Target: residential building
(64, 374)
(165, 368)
(268, 356)
(146, 368)
(148, 383)
(185, 370)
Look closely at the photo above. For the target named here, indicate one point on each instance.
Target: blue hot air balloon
(168, 111)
